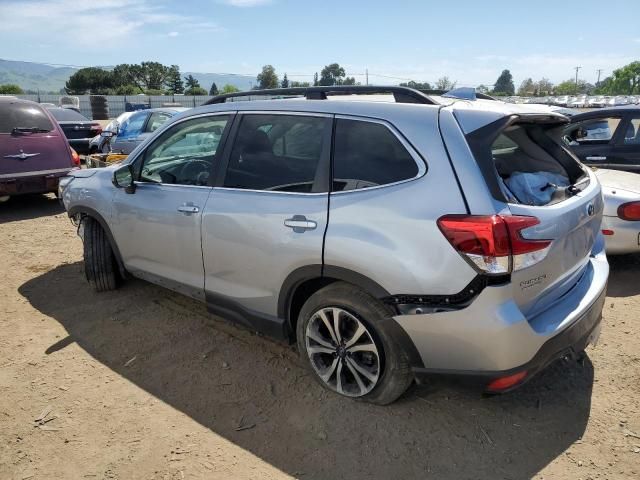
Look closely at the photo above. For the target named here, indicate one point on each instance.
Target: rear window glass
(596, 130)
(67, 115)
(23, 115)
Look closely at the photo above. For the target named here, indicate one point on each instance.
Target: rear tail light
(629, 211)
(494, 244)
(75, 158)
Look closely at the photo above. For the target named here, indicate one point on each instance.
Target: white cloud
(247, 3)
(118, 21)
(173, 34)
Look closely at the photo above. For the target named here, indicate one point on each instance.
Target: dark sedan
(607, 138)
(78, 129)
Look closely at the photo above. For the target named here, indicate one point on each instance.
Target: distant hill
(34, 76)
(47, 78)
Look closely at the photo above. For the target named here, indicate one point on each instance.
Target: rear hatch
(74, 125)
(30, 141)
(523, 154)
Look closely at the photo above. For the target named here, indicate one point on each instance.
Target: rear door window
(632, 135)
(278, 153)
(132, 126)
(369, 154)
(156, 120)
(24, 116)
(593, 131)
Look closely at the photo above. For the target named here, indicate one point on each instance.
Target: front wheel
(100, 266)
(341, 338)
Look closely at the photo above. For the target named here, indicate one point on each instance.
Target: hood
(616, 179)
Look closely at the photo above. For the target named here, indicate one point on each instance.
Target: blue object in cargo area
(535, 188)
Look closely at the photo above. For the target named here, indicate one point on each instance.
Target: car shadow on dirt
(256, 393)
(624, 276)
(26, 207)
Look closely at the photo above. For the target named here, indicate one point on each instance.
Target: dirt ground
(143, 383)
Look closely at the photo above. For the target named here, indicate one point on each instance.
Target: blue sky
(469, 41)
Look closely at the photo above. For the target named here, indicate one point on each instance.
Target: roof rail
(455, 94)
(401, 94)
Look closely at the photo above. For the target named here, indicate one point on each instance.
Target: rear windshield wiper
(29, 130)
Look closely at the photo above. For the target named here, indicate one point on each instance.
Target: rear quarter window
(23, 115)
(368, 154)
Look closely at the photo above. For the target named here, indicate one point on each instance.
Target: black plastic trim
(458, 300)
(401, 94)
(229, 309)
(73, 211)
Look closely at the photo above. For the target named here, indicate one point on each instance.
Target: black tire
(395, 376)
(100, 266)
(97, 100)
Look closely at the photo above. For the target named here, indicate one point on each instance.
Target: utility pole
(599, 72)
(577, 68)
(366, 73)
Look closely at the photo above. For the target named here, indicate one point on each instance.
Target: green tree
(89, 80)
(331, 75)
(544, 86)
(482, 89)
(228, 88)
(417, 85)
(569, 87)
(504, 84)
(350, 81)
(214, 89)
(527, 88)
(127, 90)
(191, 82)
(316, 82)
(285, 81)
(624, 81)
(195, 91)
(267, 78)
(295, 83)
(174, 82)
(10, 89)
(444, 83)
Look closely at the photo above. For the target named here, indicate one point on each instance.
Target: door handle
(299, 223)
(596, 158)
(188, 209)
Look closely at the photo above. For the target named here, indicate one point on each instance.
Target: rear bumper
(31, 182)
(492, 338)
(625, 238)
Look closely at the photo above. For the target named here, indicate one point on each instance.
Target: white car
(578, 102)
(621, 219)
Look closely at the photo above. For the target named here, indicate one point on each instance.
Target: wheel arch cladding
(90, 212)
(305, 281)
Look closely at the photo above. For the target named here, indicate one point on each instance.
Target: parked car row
(580, 101)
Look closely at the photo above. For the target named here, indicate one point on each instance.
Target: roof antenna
(463, 93)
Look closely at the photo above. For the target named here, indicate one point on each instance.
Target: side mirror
(108, 134)
(123, 178)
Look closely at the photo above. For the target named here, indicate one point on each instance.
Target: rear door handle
(596, 158)
(188, 209)
(299, 223)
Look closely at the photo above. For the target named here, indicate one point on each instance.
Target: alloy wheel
(342, 352)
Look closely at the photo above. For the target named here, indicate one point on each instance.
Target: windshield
(23, 115)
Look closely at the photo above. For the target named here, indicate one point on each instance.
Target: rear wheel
(340, 338)
(100, 266)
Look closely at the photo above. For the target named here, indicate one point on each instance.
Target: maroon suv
(34, 152)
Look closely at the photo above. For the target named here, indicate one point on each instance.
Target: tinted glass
(368, 154)
(132, 126)
(156, 120)
(632, 136)
(185, 153)
(23, 115)
(598, 130)
(277, 152)
(67, 115)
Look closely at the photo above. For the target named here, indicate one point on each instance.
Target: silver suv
(387, 236)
